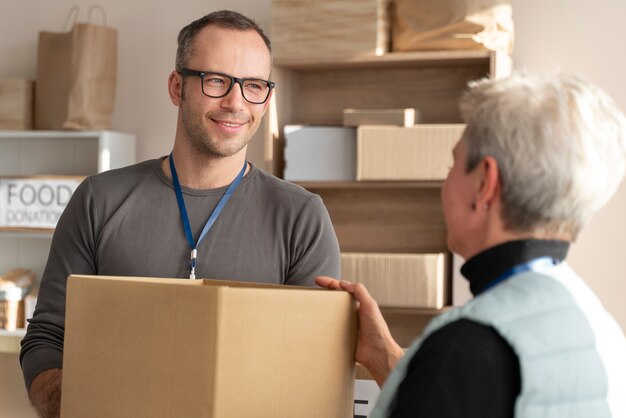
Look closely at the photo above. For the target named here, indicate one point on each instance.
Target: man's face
(223, 127)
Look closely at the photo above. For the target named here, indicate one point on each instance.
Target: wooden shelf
(34, 231)
(379, 216)
(58, 134)
(415, 311)
(405, 324)
(26, 232)
(329, 185)
(10, 340)
(316, 91)
(408, 324)
(392, 59)
(385, 217)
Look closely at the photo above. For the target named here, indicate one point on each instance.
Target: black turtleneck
(466, 369)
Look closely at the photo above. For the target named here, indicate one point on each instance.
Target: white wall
(585, 37)
(146, 50)
(576, 35)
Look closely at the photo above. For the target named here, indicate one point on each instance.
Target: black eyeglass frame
(186, 72)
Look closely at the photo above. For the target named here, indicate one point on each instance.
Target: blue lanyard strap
(532, 265)
(216, 212)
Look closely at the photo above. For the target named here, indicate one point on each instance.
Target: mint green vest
(572, 353)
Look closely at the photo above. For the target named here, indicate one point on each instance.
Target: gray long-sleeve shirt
(126, 222)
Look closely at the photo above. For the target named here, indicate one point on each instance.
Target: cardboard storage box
(16, 104)
(138, 347)
(399, 117)
(304, 30)
(320, 153)
(400, 280)
(420, 152)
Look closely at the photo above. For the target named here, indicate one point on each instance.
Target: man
(150, 219)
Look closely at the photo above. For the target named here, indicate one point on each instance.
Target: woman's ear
(175, 87)
(489, 178)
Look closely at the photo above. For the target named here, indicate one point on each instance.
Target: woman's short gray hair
(559, 142)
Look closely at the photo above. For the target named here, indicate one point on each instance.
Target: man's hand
(376, 348)
(45, 393)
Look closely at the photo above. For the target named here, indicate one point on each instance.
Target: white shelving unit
(36, 153)
(72, 153)
(10, 340)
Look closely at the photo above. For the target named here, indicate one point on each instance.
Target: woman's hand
(376, 348)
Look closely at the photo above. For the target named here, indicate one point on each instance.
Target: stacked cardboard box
(400, 280)
(305, 30)
(320, 153)
(16, 103)
(399, 117)
(420, 152)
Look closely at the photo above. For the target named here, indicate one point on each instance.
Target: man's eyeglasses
(216, 85)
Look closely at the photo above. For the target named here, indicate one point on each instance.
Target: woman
(539, 156)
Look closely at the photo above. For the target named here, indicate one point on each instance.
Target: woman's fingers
(327, 282)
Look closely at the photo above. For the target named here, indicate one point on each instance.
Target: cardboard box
(16, 103)
(320, 153)
(138, 347)
(420, 152)
(400, 117)
(304, 30)
(400, 280)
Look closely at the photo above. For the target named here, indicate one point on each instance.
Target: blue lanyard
(532, 265)
(216, 212)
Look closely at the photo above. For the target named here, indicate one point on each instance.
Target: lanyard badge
(537, 264)
(212, 218)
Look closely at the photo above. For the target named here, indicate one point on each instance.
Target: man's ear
(489, 177)
(267, 102)
(175, 87)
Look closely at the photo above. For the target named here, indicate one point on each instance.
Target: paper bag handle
(72, 16)
(102, 13)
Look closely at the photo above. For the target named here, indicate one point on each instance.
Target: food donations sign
(34, 202)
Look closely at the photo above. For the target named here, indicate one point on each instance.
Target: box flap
(147, 347)
(253, 285)
(287, 353)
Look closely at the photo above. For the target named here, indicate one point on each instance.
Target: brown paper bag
(452, 24)
(76, 77)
